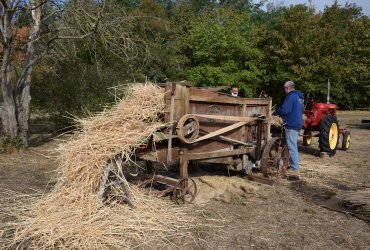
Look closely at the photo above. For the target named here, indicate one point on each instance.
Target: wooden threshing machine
(216, 129)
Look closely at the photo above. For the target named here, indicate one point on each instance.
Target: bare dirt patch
(284, 216)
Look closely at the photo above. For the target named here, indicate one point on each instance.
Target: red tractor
(322, 121)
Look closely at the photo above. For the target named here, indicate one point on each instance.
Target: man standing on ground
(291, 111)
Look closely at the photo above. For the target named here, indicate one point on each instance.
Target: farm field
(287, 215)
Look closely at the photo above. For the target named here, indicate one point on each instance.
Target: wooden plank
(221, 131)
(161, 136)
(161, 154)
(229, 100)
(185, 91)
(198, 94)
(208, 145)
(179, 110)
(221, 160)
(217, 154)
(215, 109)
(184, 162)
(165, 180)
(242, 129)
(104, 182)
(268, 126)
(228, 118)
(242, 136)
(259, 140)
(158, 178)
(170, 132)
(228, 139)
(127, 192)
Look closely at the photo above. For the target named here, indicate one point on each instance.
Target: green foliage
(7, 144)
(72, 88)
(209, 43)
(221, 46)
(311, 48)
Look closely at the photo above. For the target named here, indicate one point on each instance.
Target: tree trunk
(23, 112)
(22, 90)
(14, 111)
(8, 107)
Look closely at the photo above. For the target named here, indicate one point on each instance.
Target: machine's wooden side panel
(211, 103)
(191, 100)
(203, 95)
(179, 101)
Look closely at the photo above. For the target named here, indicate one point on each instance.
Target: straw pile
(222, 188)
(277, 121)
(72, 216)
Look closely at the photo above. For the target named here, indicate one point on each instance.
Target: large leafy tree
(221, 47)
(345, 52)
(80, 74)
(66, 33)
(17, 64)
(311, 48)
(206, 42)
(288, 42)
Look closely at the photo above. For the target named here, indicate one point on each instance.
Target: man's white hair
(290, 84)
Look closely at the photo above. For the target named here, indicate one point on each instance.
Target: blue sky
(320, 4)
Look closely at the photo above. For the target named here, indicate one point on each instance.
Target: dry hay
(222, 188)
(71, 216)
(277, 121)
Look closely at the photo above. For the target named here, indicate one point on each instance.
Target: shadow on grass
(327, 198)
(311, 192)
(313, 150)
(359, 125)
(43, 130)
(36, 140)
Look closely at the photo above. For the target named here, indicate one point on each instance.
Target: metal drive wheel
(184, 191)
(275, 158)
(346, 141)
(329, 135)
(188, 128)
(307, 137)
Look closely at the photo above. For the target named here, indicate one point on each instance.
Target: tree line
(82, 49)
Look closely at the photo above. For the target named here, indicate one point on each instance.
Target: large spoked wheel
(329, 135)
(275, 157)
(346, 141)
(184, 191)
(307, 137)
(188, 128)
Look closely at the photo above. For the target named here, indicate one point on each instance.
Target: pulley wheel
(188, 128)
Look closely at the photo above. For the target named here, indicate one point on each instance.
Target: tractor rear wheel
(329, 135)
(346, 140)
(307, 137)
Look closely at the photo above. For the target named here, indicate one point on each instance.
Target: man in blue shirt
(291, 111)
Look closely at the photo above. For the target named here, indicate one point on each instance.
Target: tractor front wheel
(346, 140)
(329, 135)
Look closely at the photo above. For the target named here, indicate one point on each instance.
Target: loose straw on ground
(71, 216)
